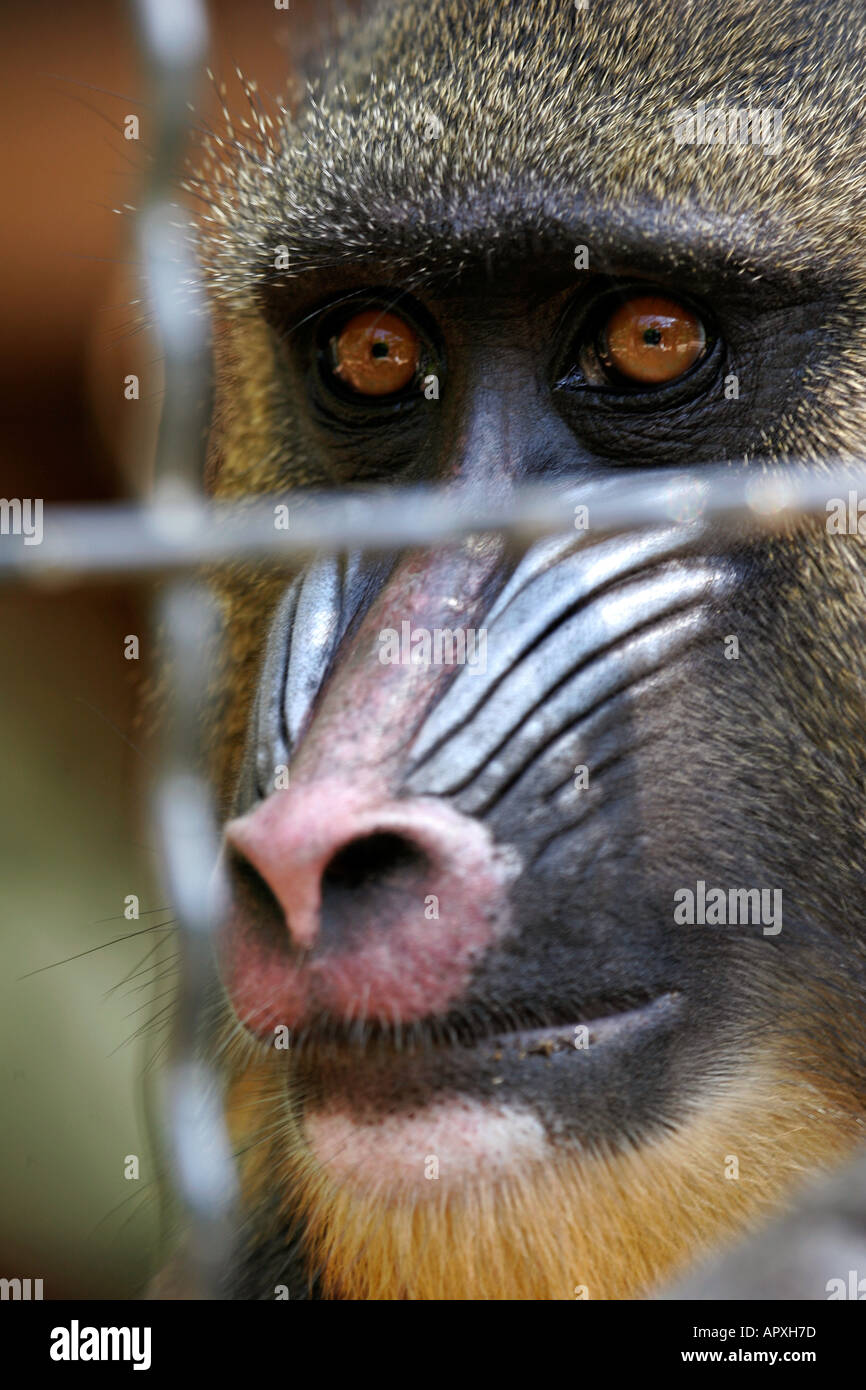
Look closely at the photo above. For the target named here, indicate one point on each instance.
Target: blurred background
(84, 990)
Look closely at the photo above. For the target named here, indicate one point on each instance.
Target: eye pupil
(652, 336)
(380, 349)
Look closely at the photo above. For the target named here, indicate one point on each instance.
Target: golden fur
(598, 1226)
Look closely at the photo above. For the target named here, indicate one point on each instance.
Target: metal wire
(166, 537)
(173, 35)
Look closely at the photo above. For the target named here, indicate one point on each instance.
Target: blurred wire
(180, 532)
(173, 38)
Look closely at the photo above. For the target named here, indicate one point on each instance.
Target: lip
(591, 1088)
(604, 1028)
(497, 1102)
(328, 1046)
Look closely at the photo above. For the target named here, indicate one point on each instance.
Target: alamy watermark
(731, 907)
(22, 516)
(21, 1290)
(853, 1288)
(77, 1343)
(441, 646)
(729, 125)
(846, 517)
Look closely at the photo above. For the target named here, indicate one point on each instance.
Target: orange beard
(602, 1226)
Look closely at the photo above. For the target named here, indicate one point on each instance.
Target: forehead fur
(462, 124)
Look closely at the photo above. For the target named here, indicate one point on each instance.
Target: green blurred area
(74, 844)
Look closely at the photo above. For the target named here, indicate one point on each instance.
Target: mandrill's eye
(638, 342)
(650, 340)
(375, 353)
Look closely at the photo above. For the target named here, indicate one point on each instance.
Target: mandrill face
(544, 864)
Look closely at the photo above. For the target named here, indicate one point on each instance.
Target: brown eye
(376, 353)
(651, 339)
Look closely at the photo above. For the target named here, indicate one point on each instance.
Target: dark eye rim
(329, 324)
(615, 392)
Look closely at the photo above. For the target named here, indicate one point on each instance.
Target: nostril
(370, 880)
(372, 860)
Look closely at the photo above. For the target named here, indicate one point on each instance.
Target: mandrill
(500, 243)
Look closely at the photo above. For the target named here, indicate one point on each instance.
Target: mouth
(481, 1099)
(483, 1095)
(487, 1034)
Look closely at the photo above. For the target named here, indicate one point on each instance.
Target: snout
(356, 908)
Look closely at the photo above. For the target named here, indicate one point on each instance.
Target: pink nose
(356, 906)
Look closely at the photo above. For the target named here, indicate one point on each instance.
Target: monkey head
(548, 864)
